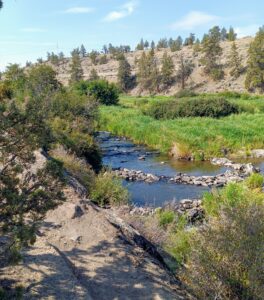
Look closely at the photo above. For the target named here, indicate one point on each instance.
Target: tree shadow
(106, 271)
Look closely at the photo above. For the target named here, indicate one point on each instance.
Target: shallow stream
(122, 153)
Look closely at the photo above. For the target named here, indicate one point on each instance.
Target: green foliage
(166, 217)
(255, 181)
(101, 90)
(108, 190)
(42, 81)
(93, 56)
(148, 75)
(26, 194)
(125, 80)
(93, 75)
(76, 71)
(231, 35)
(185, 93)
(214, 108)
(178, 241)
(6, 91)
(184, 71)
(255, 70)
(234, 62)
(227, 255)
(207, 135)
(15, 77)
(167, 70)
(212, 52)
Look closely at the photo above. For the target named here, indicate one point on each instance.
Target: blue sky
(30, 28)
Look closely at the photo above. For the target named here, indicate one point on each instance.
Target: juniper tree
(140, 46)
(212, 53)
(26, 193)
(124, 75)
(255, 68)
(42, 82)
(224, 34)
(16, 77)
(234, 62)
(93, 56)
(190, 40)
(83, 51)
(197, 46)
(152, 45)
(167, 70)
(146, 44)
(93, 75)
(105, 49)
(231, 36)
(162, 43)
(61, 56)
(76, 71)
(179, 40)
(184, 71)
(148, 73)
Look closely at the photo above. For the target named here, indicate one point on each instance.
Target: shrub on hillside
(227, 255)
(103, 91)
(185, 93)
(108, 190)
(204, 107)
(5, 91)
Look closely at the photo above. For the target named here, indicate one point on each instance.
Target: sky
(31, 28)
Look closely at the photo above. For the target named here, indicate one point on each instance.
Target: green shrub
(204, 107)
(255, 181)
(230, 94)
(104, 92)
(227, 255)
(232, 195)
(108, 190)
(178, 241)
(166, 217)
(5, 90)
(185, 93)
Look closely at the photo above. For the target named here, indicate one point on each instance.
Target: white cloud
(249, 30)
(126, 10)
(32, 29)
(78, 10)
(194, 19)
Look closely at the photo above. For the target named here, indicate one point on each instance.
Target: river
(121, 153)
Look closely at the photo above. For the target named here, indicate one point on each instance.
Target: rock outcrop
(198, 80)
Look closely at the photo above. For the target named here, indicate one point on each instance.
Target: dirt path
(80, 255)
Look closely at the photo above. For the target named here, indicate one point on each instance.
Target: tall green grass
(236, 132)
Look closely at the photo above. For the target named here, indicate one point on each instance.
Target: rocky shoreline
(191, 207)
(238, 172)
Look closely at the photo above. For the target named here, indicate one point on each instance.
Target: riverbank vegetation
(222, 256)
(192, 135)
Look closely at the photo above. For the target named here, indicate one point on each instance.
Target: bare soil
(197, 81)
(79, 254)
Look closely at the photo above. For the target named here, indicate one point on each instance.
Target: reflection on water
(156, 194)
(121, 153)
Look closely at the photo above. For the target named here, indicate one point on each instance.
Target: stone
(78, 212)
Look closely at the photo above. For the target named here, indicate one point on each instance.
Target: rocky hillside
(197, 81)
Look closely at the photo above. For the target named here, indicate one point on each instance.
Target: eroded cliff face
(198, 80)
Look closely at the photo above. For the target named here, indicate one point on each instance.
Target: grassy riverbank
(244, 131)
